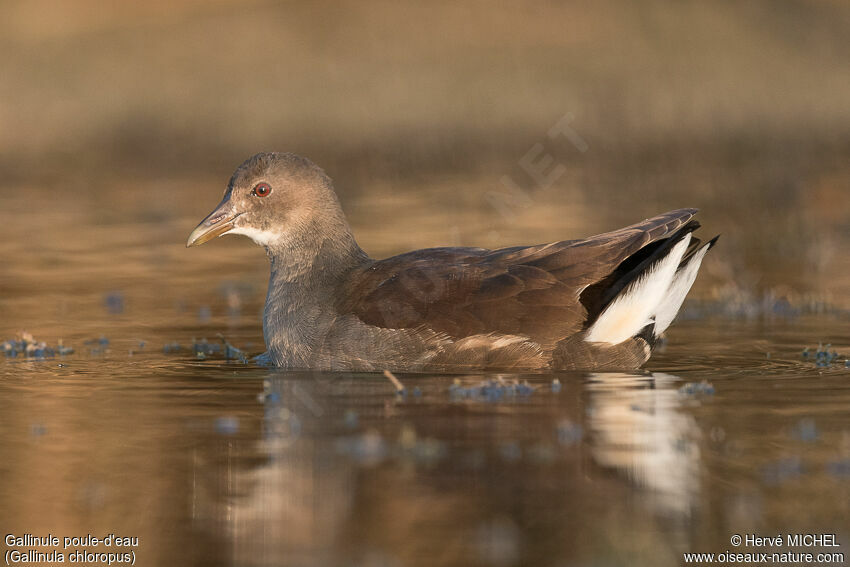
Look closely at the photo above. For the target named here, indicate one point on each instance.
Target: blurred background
(120, 124)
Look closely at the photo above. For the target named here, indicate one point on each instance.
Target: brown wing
(531, 291)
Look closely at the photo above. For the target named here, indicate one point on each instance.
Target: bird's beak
(218, 222)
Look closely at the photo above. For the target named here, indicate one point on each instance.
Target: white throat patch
(261, 237)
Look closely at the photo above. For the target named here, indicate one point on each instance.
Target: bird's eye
(262, 189)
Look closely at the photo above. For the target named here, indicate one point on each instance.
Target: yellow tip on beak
(218, 222)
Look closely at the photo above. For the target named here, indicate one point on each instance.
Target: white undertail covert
(640, 302)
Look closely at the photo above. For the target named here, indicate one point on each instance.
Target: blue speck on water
(27, 346)
(204, 314)
(569, 433)
(847, 364)
(273, 397)
(556, 385)
(805, 430)
(98, 345)
(226, 425)
(490, 390)
(417, 393)
(823, 357)
(171, 347)
(269, 395)
(203, 349)
(697, 388)
(114, 302)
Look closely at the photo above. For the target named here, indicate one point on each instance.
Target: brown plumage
(530, 308)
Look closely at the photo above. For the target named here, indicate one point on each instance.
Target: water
(213, 462)
(216, 463)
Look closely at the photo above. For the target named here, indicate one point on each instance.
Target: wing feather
(530, 291)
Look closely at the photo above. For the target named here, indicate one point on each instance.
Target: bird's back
(521, 307)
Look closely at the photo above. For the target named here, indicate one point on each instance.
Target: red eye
(262, 189)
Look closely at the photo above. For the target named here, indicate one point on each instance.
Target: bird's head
(271, 198)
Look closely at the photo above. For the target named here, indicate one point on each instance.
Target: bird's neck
(307, 268)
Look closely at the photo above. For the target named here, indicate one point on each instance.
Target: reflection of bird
(638, 428)
(598, 303)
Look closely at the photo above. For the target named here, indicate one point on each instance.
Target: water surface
(729, 430)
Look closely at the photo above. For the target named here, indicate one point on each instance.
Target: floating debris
(26, 346)
(140, 346)
(556, 386)
(101, 341)
(399, 388)
(98, 346)
(203, 349)
(823, 357)
(490, 390)
(231, 352)
(697, 388)
(204, 314)
(63, 350)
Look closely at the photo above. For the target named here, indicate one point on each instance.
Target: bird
(594, 304)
